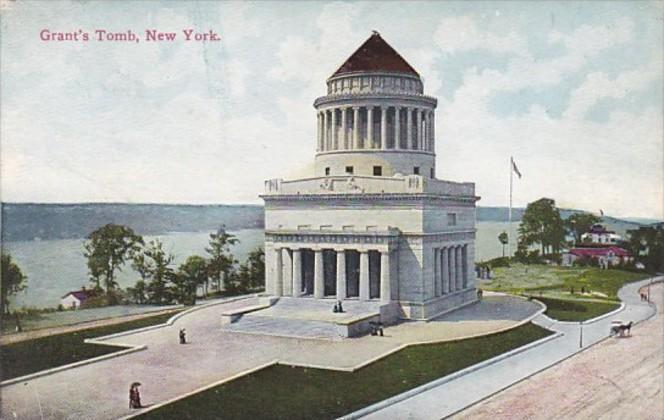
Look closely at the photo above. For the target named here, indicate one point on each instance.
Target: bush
(499, 262)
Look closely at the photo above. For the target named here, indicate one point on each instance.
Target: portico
(330, 266)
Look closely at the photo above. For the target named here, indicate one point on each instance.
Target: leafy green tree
(191, 274)
(256, 268)
(647, 245)
(250, 275)
(107, 249)
(541, 224)
(153, 264)
(12, 281)
(503, 238)
(138, 292)
(579, 223)
(221, 261)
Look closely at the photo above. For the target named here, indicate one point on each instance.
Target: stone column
(436, 272)
(318, 132)
(364, 275)
(383, 127)
(369, 142)
(432, 119)
(464, 266)
(418, 128)
(445, 270)
(385, 278)
(356, 127)
(341, 274)
(319, 280)
(409, 128)
(334, 143)
(397, 127)
(297, 273)
(459, 269)
(287, 272)
(342, 141)
(324, 131)
(425, 135)
(452, 262)
(279, 273)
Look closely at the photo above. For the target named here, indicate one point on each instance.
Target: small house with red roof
(604, 256)
(75, 299)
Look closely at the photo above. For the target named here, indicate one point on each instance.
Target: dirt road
(619, 378)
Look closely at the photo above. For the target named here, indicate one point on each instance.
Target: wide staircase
(304, 318)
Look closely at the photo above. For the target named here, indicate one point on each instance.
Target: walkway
(167, 370)
(617, 379)
(457, 394)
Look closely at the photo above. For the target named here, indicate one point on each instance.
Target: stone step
(283, 327)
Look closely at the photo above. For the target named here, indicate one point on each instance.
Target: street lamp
(580, 334)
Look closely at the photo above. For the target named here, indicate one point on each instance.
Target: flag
(516, 170)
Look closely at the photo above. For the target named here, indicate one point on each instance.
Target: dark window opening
(349, 169)
(327, 171)
(433, 175)
(416, 170)
(378, 170)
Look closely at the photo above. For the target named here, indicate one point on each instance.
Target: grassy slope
(32, 356)
(577, 310)
(300, 393)
(558, 281)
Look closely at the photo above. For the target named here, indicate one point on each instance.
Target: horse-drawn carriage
(619, 328)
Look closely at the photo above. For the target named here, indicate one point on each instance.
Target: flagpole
(509, 215)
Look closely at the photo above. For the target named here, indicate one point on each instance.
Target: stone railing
(350, 184)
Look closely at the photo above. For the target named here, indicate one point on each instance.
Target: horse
(620, 329)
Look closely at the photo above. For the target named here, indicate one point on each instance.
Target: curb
(433, 384)
(128, 348)
(201, 389)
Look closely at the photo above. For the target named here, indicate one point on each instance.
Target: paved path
(616, 379)
(167, 370)
(457, 394)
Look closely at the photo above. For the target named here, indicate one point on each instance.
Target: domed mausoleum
(373, 223)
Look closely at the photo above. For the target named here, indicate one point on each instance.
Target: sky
(573, 91)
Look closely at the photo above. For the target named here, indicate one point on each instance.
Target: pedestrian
(341, 308)
(183, 336)
(336, 308)
(134, 395)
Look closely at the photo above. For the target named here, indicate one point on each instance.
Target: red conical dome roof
(375, 55)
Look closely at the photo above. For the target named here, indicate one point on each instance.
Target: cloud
(461, 33)
(598, 85)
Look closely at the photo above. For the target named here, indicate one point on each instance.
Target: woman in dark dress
(134, 396)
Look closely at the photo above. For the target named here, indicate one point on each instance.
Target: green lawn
(555, 281)
(577, 310)
(31, 356)
(285, 392)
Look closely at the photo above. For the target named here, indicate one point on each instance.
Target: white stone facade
(373, 223)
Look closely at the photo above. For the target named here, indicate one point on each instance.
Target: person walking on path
(134, 395)
(183, 336)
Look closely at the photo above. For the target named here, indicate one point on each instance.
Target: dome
(375, 55)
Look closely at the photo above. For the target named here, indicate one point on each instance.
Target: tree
(503, 238)
(221, 261)
(250, 275)
(647, 245)
(256, 268)
(138, 292)
(541, 224)
(12, 281)
(190, 275)
(579, 223)
(153, 264)
(107, 249)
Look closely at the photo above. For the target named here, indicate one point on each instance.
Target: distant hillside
(26, 221)
(64, 221)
